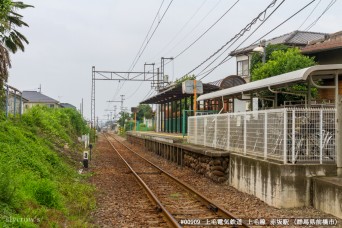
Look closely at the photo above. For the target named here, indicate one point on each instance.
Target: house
(67, 105)
(294, 39)
(36, 98)
(327, 50)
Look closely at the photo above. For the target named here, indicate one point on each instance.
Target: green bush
(7, 188)
(45, 192)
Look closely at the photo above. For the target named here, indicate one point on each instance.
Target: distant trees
(10, 38)
(144, 110)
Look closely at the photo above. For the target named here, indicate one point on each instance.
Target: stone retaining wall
(213, 168)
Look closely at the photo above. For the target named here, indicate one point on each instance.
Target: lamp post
(262, 49)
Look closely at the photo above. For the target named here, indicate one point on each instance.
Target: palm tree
(4, 64)
(10, 39)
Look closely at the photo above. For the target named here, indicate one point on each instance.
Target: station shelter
(174, 106)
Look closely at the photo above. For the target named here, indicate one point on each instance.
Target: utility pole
(82, 108)
(163, 79)
(121, 101)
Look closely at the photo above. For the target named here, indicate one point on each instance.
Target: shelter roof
(275, 81)
(174, 92)
(229, 81)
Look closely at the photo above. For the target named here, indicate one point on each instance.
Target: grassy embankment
(39, 182)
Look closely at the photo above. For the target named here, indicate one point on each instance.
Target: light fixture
(259, 49)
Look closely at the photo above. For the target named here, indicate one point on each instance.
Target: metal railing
(309, 134)
(13, 101)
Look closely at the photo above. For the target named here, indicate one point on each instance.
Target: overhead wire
(229, 57)
(326, 9)
(155, 29)
(309, 14)
(206, 31)
(141, 50)
(194, 28)
(241, 33)
(149, 30)
(183, 27)
(256, 29)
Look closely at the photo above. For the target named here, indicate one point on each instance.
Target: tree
(10, 38)
(10, 20)
(280, 62)
(123, 117)
(256, 59)
(144, 110)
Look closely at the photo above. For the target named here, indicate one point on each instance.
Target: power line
(229, 57)
(142, 50)
(183, 27)
(263, 21)
(206, 31)
(131, 67)
(309, 14)
(149, 39)
(196, 26)
(241, 33)
(326, 9)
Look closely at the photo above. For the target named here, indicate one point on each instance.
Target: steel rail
(160, 206)
(210, 205)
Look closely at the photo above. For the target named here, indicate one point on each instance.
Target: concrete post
(338, 139)
(338, 122)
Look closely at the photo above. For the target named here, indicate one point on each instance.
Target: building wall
(28, 105)
(328, 57)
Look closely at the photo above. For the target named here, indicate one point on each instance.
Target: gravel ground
(121, 202)
(243, 205)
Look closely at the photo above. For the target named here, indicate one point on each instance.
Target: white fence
(309, 134)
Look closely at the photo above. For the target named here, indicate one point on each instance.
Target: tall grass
(39, 186)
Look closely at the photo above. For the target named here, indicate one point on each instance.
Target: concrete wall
(279, 185)
(327, 195)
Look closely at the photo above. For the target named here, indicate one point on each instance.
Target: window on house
(51, 105)
(242, 68)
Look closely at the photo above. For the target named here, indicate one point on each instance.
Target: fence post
(215, 133)
(244, 135)
(265, 135)
(228, 131)
(321, 136)
(293, 137)
(195, 129)
(7, 95)
(285, 136)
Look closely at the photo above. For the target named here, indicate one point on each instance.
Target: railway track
(180, 204)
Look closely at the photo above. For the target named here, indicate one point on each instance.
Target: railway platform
(279, 185)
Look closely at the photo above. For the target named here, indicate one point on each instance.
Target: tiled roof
(67, 105)
(332, 41)
(36, 97)
(295, 38)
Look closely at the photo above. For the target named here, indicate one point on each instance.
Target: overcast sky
(68, 37)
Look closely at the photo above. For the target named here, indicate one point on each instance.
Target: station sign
(188, 87)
